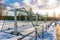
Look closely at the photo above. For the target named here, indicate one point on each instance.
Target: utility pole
(46, 21)
(15, 22)
(36, 37)
(25, 18)
(43, 31)
(36, 18)
(36, 27)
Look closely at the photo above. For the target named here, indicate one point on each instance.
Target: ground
(26, 28)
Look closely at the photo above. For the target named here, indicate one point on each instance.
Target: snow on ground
(21, 28)
(50, 34)
(7, 36)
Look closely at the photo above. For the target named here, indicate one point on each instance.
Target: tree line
(23, 18)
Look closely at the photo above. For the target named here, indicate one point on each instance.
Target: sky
(38, 6)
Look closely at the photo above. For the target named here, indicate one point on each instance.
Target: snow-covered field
(25, 28)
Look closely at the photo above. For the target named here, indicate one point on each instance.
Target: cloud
(3, 1)
(58, 2)
(48, 4)
(43, 6)
(8, 8)
(16, 5)
(32, 3)
(40, 6)
(52, 2)
(41, 3)
(37, 4)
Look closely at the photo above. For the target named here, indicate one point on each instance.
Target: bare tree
(2, 7)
